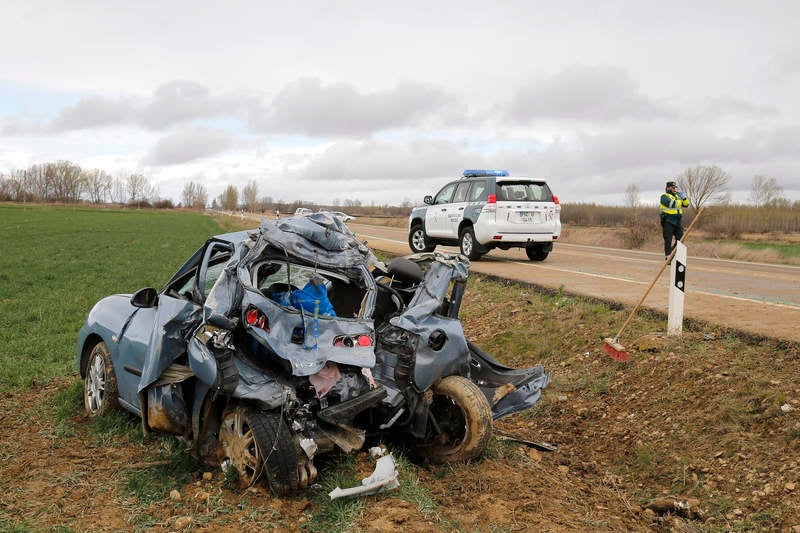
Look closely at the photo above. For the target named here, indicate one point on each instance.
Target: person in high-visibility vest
(672, 203)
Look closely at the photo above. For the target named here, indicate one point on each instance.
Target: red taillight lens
(493, 199)
(256, 319)
(364, 340)
(352, 341)
(555, 199)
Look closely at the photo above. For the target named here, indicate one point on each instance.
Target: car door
(455, 210)
(155, 336)
(436, 221)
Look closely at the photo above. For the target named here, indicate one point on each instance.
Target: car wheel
(460, 423)
(259, 443)
(469, 246)
(418, 240)
(535, 253)
(100, 393)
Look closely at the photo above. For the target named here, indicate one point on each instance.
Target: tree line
(66, 182)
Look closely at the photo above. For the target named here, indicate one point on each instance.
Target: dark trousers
(669, 230)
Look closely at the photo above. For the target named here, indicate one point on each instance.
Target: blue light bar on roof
(478, 173)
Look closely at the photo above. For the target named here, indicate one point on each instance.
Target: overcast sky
(386, 101)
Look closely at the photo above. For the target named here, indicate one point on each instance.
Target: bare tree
(194, 195)
(136, 185)
(118, 190)
(229, 198)
(704, 185)
(765, 191)
(250, 196)
(632, 197)
(67, 178)
(98, 184)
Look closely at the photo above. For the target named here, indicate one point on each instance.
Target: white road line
(688, 289)
(628, 280)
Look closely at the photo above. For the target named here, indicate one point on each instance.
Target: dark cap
(671, 184)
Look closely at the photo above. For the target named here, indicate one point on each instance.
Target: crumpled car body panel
(226, 331)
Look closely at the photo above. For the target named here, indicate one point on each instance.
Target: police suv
(487, 209)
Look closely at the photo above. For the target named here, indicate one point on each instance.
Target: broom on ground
(612, 346)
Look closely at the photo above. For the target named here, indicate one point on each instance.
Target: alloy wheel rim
(466, 243)
(96, 384)
(419, 240)
(240, 446)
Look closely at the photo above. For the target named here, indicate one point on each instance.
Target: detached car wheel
(100, 392)
(461, 423)
(260, 446)
(535, 253)
(418, 240)
(469, 246)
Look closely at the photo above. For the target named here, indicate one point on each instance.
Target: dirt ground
(706, 436)
(697, 435)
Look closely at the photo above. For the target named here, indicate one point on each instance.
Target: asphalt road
(758, 298)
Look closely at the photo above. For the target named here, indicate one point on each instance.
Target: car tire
(100, 393)
(260, 446)
(469, 246)
(418, 240)
(535, 253)
(462, 422)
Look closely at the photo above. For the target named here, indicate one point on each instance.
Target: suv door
(525, 206)
(455, 210)
(436, 223)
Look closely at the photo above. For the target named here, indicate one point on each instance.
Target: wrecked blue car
(271, 346)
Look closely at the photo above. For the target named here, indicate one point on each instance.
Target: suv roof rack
(480, 173)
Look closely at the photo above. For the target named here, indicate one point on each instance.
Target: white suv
(487, 209)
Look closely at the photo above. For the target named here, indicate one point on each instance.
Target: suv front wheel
(469, 246)
(418, 240)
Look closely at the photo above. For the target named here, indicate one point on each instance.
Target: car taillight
(256, 319)
(558, 205)
(350, 341)
(491, 203)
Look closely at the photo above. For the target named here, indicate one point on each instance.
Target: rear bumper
(489, 238)
(488, 234)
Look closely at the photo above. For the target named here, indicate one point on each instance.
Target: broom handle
(663, 266)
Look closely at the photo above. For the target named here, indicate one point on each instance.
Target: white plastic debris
(786, 408)
(382, 479)
(376, 451)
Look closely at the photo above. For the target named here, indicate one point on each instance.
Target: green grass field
(645, 424)
(57, 262)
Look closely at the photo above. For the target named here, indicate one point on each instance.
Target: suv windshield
(524, 191)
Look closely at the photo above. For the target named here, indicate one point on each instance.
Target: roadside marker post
(677, 287)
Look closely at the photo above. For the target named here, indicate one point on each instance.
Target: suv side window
(461, 192)
(445, 194)
(477, 190)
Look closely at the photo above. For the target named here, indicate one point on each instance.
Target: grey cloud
(92, 112)
(592, 94)
(784, 65)
(375, 162)
(21, 125)
(175, 102)
(186, 145)
(182, 101)
(726, 106)
(308, 107)
(584, 167)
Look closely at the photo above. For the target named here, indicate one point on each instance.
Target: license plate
(528, 217)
